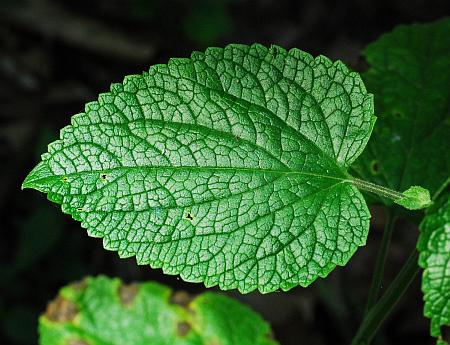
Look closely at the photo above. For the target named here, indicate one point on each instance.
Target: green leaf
(409, 76)
(227, 168)
(101, 311)
(415, 198)
(434, 248)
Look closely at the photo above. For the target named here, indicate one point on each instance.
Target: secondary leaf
(227, 168)
(434, 248)
(409, 76)
(415, 198)
(102, 311)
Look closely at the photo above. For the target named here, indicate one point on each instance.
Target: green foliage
(415, 198)
(409, 77)
(227, 168)
(231, 168)
(102, 311)
(434, 248)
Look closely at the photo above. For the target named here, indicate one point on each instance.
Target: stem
(441, 189)
(374, 188)
(376, 316)
(381, 261)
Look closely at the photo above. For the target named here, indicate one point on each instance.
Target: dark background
(57, 55)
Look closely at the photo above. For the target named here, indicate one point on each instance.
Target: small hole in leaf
(79, 209)
(189, 216)
(273, 51)
(104, 176)
(375, 167)
(65, 179)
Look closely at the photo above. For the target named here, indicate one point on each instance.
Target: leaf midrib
(201, 168)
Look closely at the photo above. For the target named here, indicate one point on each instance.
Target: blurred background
(57, 55)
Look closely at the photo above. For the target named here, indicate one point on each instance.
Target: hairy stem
(376, 189)
(381, 261)
(376, 316)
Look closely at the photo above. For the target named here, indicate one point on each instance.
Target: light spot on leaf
(78, 342)
(181, 298)
(127, 293)
(79, 285)
(61, 310)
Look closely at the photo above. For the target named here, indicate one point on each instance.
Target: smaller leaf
(415, 198)
(102, 310)
(434, 248)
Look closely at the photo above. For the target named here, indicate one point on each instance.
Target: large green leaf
(227, 168)
(100, 311)
(434, 248)
(409, 76)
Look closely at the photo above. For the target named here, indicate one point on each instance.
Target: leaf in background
(228, 168)
(102, 311)
(208, 21)
(434, 248)
(409, 76)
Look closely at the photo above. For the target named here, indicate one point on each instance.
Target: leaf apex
(35, 177)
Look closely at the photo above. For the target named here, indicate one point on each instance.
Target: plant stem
(374, 188)
(441, 189)
(381, 261)
(376, 316)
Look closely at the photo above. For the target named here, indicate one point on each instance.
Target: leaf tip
(415, 198)
(35, 178)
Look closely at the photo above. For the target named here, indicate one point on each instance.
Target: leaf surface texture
(227, 168)
(434, 248)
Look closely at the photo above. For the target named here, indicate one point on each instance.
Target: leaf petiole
(376, 189)
(414, 198)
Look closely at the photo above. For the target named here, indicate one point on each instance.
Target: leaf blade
(434, 257)
(102, 310)
(228, 168)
